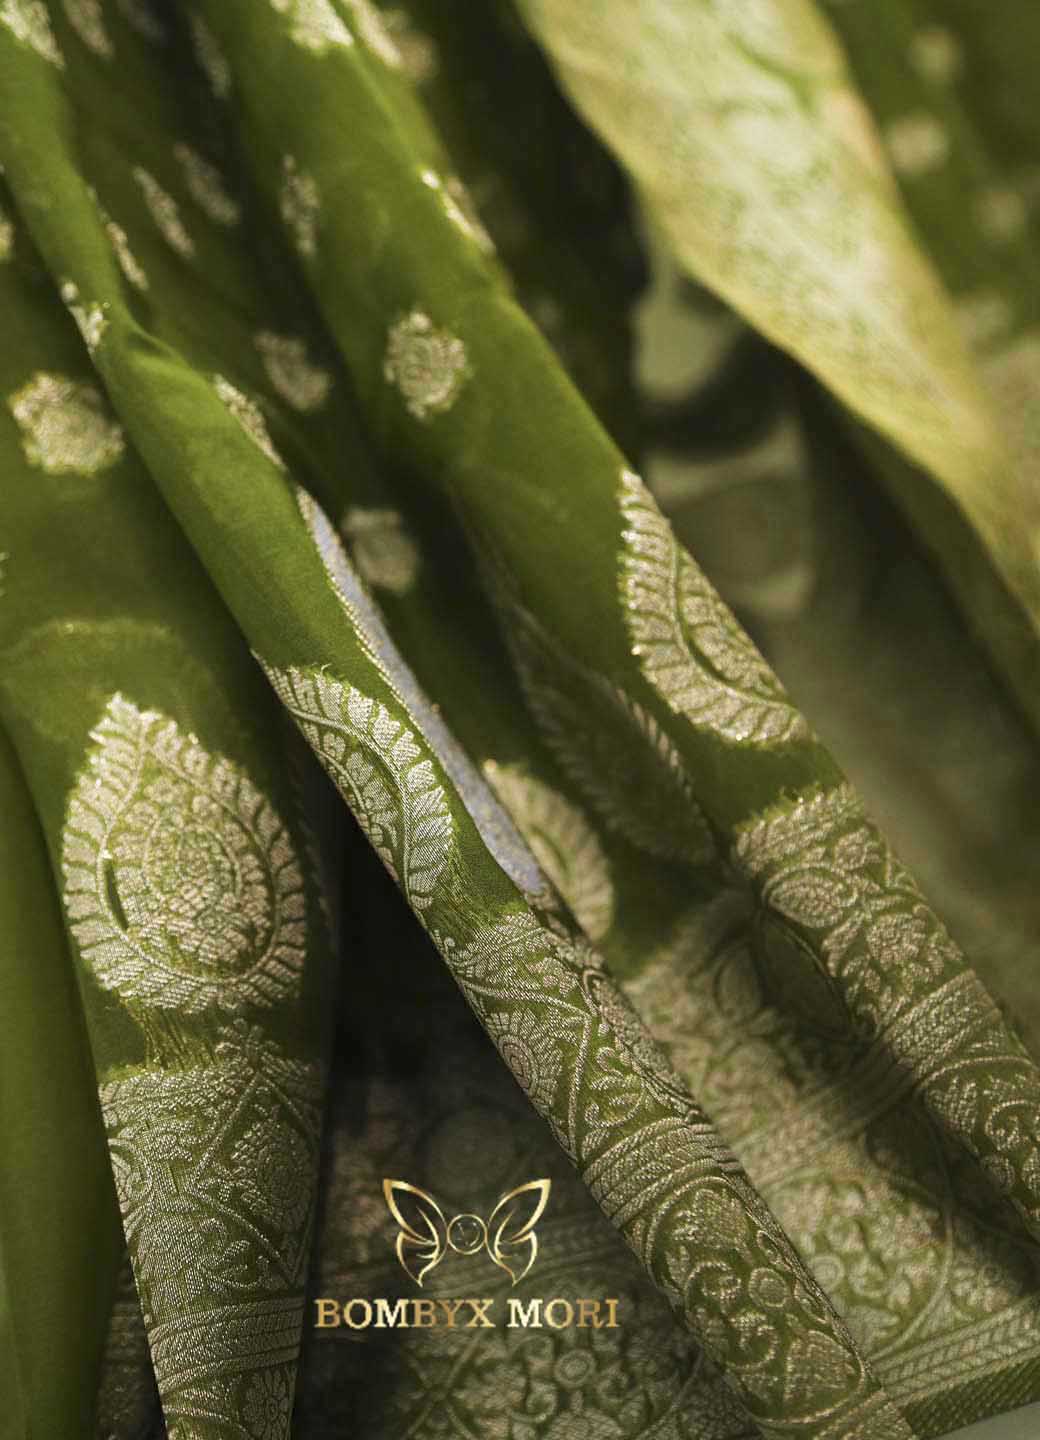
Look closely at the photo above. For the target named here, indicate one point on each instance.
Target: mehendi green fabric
(59, 1225)
(176, 841)
(765, 1056)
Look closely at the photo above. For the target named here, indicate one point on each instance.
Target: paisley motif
(690, 648)
(382, 772)
(613, 749)
(497, 829)
(182, 885)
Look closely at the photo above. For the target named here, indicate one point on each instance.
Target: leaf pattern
(565, 844)
(613, 749)
(381, 770)
(690, 647)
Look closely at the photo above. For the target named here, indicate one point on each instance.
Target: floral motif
(383, 551)
(218, 1273)
(182, 885)
(66, 426)
(529, 1052)
(427, 365)
(690, 648)
(304, 385)
(268, 1404)
(836, 891)
(272, 1172)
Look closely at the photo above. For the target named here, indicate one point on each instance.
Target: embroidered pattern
(315, 24)
(219, 1251)
(249, 416)
(164, 211)
(613, 749)
(207, 187)
(182, 885)
(29, 22)
(66, 426)
(690, 648)
(566, 846)
(300, 383)
(86, 19)
(382, 549)
(427, 365)
(300, 206)
(825, 876)
(381, 771)
(497, 830)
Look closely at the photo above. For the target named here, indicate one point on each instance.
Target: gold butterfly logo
(426, 1235)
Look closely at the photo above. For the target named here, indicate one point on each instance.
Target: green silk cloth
(314, 390)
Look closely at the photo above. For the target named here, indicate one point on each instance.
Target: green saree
(430, 836)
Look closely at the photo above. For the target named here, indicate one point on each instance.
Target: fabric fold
(760, 161)
(424, 327)
(60, 1236)
(158, 767)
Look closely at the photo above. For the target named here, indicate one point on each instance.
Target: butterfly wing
(512, 1242)
(422, 1239)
